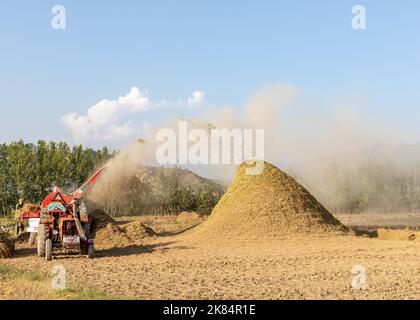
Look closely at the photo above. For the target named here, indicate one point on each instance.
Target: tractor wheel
(84, 249)
(48, 249)
(32, 238)
(19, 228)
(16, 228)
(91, 252)
(42, 235)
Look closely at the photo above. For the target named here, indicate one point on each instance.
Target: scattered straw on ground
(185, 217)
(6, 245)
(138, 231)
(304, 268)
(111, 236)
(107, 233)
(269, 205)
(389, 234)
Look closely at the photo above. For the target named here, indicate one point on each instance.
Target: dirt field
(175, 266)
(381, 220)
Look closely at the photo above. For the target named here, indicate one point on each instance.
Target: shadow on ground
(140, 249)
(174, 233)
(365, 232)
(24, 252)
(107, 252)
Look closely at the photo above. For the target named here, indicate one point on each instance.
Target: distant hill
(154, 190)
(186, 178)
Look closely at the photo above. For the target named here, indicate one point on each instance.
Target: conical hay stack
(269, 205)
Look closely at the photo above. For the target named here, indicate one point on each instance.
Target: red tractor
(62, 222)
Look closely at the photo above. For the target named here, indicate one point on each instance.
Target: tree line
(158, 190)
(28, 172)
(371, 186)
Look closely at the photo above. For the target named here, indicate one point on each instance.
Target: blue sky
(227, 49)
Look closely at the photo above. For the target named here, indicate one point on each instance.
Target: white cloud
(103, 120)
(107, 119)
(135, 100)
(196, 98)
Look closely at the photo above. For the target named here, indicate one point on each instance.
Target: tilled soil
(178, 267)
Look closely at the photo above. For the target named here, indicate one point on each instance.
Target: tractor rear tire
(48, 250)
(91, 252)
(19, 228)
(42, 235)
(83, 249)
(32, 238)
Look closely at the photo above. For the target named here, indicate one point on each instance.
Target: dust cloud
(301, 136)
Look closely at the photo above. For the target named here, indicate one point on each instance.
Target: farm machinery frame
(62, 222)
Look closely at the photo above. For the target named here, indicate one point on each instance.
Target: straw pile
(187, 217)
(407, 234)
(269, 205)
(138, 231)
(107, 233)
